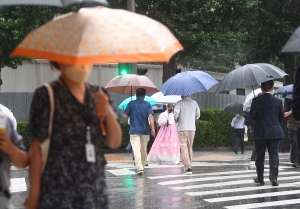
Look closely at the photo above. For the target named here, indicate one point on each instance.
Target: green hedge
(212, 130)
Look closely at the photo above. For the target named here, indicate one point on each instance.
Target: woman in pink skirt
(166, 146)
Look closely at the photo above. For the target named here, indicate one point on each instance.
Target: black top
(69, 181)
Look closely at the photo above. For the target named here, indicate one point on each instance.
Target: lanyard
(82, 109)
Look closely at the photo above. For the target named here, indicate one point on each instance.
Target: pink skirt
(166, 146)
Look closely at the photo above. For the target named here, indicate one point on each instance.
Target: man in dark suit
(267, 111)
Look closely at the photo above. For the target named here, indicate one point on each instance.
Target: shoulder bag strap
(46, 144)
(51, 97)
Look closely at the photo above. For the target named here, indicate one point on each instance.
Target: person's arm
(17, 156)
(197, 115)
(287, 114)
(151, 118)
(35, 173)
(113, 136)
(253, 110)
(176, 111)
(232, 122)
(125, 116)
(296, 96)
(280, 114)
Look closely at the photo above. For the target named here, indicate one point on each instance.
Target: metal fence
(19, 103)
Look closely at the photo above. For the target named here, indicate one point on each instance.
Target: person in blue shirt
(141, 114)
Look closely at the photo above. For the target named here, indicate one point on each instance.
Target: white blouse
(164, 117)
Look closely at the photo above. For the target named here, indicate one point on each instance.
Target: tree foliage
(16, 22)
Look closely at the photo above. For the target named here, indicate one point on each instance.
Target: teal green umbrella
(124, 104)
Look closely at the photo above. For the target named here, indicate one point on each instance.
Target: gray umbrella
(58, 3)
(293, 44)
(249, 75)
(234, 108)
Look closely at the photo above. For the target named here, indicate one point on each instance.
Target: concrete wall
(30, 75)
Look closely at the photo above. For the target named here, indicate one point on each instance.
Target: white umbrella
(10, 115)
(249, 98)
(162, 99)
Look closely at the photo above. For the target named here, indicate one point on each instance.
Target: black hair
(55, 65)
(140, 92)
(170, 105)
(267, 85)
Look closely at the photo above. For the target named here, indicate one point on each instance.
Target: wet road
(217, 182)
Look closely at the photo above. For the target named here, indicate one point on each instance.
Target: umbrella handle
(101, 120)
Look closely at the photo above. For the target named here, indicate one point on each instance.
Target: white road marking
(251, 196)
(121, 172)
(230, 183)
(242, 189)
(207, 174)
(265, 204)
(215, 178)
(17, 185)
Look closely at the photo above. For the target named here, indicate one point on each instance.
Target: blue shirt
(139, 110)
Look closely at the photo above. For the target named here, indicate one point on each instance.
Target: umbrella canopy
(248, 75)
(285, 90)
(162, 99)
(128, 84)
(293, 44)
(100, 35)
(234, 108)
(124, 104)
(188, 82)
(58, 3)
(249, 98)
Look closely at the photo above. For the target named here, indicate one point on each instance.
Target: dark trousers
(294, 140)
(253, 156)
(273, 149)
(239, 139)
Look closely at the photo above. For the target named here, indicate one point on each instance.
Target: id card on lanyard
(89, 147)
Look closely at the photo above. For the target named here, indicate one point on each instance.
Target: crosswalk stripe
(213, 178)
(265, 204)
(206, 174)
(229, 183)
(251, 196)
(17, 185)
(243, 189)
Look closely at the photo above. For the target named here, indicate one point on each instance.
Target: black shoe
(295, 165)
(261, 183)
(274, 183)
(235, 152)
(188, 172)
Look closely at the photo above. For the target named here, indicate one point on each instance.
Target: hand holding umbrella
(103, 108)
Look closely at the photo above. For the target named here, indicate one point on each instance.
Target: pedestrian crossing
(232, 189)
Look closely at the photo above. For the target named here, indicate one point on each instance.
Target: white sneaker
(252, 162)
(176, 162)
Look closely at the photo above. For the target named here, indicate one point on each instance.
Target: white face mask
(237, 115)
(79, 74)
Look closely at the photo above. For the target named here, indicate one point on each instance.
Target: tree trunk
(288, 60)
(169, 68)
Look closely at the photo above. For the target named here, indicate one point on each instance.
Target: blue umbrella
(285, 90)
(124, 104)
(188, 82)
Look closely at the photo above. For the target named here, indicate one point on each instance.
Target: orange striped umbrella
(100, 35)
